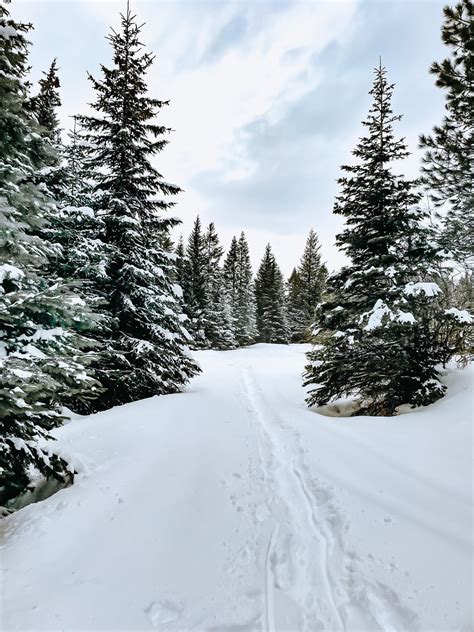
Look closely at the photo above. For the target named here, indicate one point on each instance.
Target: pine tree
(180, 264)
(270, 301)
(40, 357)
(217, 316)
(147, 348)
(194, 286)
(245, 307)
(447, 168)
(44, 105)
(297, 319)
(306, 286)
(81, 257)
(52, 177)
(231, 276)
(239, 290)
(379, 346)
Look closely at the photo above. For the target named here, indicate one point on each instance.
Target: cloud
(266, 98)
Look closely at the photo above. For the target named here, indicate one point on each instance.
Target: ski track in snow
(317, 554)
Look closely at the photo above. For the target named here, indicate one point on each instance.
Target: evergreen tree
(147, 352)
(81, 257)
(230, 270)
(52, 177)
(306, 286)
(270, 301)
(44, 105)
(194, 285)
(180, 263)
(447, 168)
(217, 316)
(297, 321)
(380, 345)
(239, 290)
(40, 357)
(245, 309)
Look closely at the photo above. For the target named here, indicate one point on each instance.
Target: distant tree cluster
(227, 307)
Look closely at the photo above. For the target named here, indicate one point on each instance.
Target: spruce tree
(40, 357)
(379, 346)
(306, 286)
(147, 348)
(230, 270)
(270, 301)
(217, 316)
(447, 164)
(180, 264)
(81, 256)
(297, 320)
(44, 105)
(194, 285)
(245, 323)
(239, 290)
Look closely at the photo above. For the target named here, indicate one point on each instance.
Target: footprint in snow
(159, 612)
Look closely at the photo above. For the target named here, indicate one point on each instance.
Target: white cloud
(223, 65)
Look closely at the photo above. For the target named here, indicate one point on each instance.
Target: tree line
(227, 307)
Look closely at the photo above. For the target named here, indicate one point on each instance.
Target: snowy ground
(231, 507)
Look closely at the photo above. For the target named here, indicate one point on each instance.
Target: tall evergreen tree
(180, 263)
(447, 165)
(52, 178)
(147, 347)
(46, 102)
(379, 346)
(81, 256)
(217, 316)
(194, 285)
(297, 320)
(245, 308)
(40, 357)
(306, 286)
(230, 270)
(270, 301)
(239, 290)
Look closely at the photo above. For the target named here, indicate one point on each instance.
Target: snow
(232, 507)
(461, 315)
(8, 31)
(7, 271)
(376, 316)
(380, 311)
(429, 289)
(84, 210)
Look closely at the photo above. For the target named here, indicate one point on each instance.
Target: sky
(266, 98)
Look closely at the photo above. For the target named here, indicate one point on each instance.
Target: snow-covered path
(232, 507)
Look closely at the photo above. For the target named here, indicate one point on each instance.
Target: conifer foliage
(305, 288)
(239, 290)
(44, 104)
(193, 278)
(379, 346)
(147, 349)
(40, 357)
(447, 168)
(272, 322)
(219, 328)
